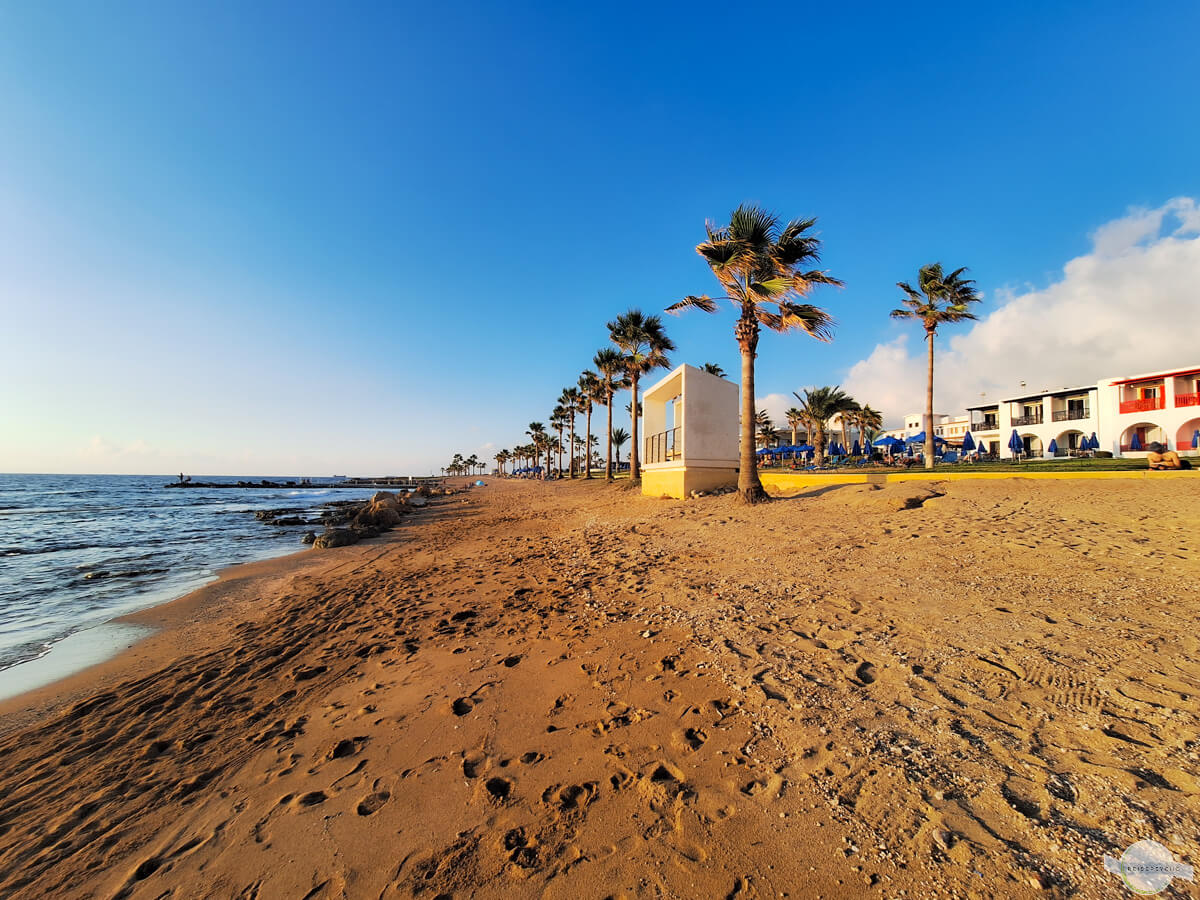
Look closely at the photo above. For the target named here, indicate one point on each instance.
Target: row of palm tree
(763, 268)
(460, 466)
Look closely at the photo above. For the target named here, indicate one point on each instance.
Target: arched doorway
(1146, 433)
(1068, 442)
(1033, 445)
(1185, 436)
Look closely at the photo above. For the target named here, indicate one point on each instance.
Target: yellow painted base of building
(790, 481)
(680, 482)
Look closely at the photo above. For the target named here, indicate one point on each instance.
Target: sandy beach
(969, 689)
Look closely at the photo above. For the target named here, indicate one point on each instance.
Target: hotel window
(1075, 408)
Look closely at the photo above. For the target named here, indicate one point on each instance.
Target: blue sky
(294, 238)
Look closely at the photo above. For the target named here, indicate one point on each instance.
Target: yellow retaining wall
(680, 482)
(783, 481)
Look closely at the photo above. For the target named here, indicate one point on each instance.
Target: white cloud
(776, 405)
(1127, 307)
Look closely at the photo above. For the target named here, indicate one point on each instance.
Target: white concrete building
(1064, 416)
(691, 433)
(952, 428)
(1159, 406)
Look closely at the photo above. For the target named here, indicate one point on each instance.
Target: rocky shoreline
(347, 522)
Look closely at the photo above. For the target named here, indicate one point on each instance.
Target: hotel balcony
(1035, 419)
(1186, 400)
(1070, 415)
(986, 425)
(1144, 404)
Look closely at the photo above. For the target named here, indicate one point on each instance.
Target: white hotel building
(1158, 406)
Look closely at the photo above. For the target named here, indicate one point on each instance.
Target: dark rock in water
(336, 537)
(309, 538)
(132, 573)
(288, 520)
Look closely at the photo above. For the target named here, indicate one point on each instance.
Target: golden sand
(975, 688)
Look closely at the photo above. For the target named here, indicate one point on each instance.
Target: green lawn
(1037, 465)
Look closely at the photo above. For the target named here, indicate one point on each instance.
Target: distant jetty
(385, 481)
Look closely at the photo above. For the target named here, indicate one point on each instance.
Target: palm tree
(537, 431)
(818, 406)
(762, 422)
(645, 345)
(619, 437)
(472, 463)
(767, 434)
(846, 419)
(570, 399)
(937, 298)
(714, 369)
(869, 422)
(759, 264)
(795, 419)
(558, 421)
(456, 464)
(611, 366)
(591, 392)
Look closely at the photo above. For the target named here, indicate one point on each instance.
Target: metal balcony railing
(1068, 415)
(985, 425)
(1035, 419)
(1187, 400)
(664, 446)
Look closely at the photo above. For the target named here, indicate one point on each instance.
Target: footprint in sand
(865, 672)
(476, 764)
(372, 803)
(348, 747)
(499, 789)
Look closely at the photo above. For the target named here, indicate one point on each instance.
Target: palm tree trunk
(793, 435)
(587, 447)
(634, 475)
(750, 488)
(608, 475)
(929, 406)
(572, 445)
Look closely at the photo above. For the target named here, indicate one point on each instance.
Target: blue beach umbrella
(1094, 442)
(856, 450)
(919, 438)
(1196, 439)
(764, 450)
(887, 441)
(968, 442)
(1136, 443)
(805, 448)
(1053, 448)
(1015, 444)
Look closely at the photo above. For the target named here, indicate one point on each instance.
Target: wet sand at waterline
(567, 690)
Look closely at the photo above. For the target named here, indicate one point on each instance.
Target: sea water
(77, 551)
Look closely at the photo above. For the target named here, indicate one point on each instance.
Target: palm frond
(753, 225)
(702, 301)
(812, 320)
